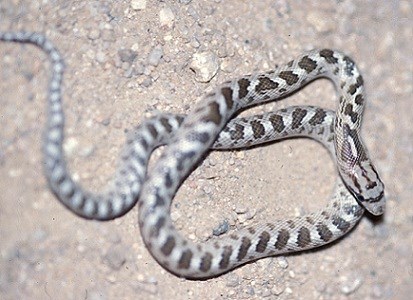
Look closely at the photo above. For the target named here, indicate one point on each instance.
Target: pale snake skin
(188, 138)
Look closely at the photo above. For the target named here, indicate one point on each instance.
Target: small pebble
(166, 17)
(266, 293)
(94, 34)
(100, 57)
(70, 145)
(282, 262)
(320, 22)
(350, 285)
(221, 229)
(115, 257)
(240, 209)
(155, 56)
(138, 4)
(232, 280)
(127, 55)
(278, 289)
(205, 65)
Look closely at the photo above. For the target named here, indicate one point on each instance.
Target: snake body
(210, 125)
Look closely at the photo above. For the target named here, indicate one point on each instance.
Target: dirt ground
(128, 59)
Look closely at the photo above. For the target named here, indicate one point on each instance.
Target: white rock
(166, 17)
(205, 65)
(320, 21)
(138, 4)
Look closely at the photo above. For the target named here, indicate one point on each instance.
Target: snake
(211, 125)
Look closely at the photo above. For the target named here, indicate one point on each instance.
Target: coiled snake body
(207, 126)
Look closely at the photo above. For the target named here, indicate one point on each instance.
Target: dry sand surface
(129, 59)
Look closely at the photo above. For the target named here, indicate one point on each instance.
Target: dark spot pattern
(206, 262)
(318, 117)
(168, 179)
(282, 239)
(160, 201)
(185, 260)
(243, 249)
(307, 64)
(349, 112)
(265, 84)
(304, 237)
(238, 133)
(243, 87)
(328, 55)
(225, 256)
(251, 230)
(359, 99)
(168, 246)
(227, 93)
(271, 226)
(290, 77)
(152, 130)
(234, 237)
(310, 220)
(166, 125)
(264, 238)
(277, 123)
(144, 144)
(214, 115)
(325, 214)
(202, 137)
(291, 224)
(349, 66)
(257, 129)
(324, 233)
(183, 157)
(298, 115)
(154, 232)
(353, 88)
(341, 224)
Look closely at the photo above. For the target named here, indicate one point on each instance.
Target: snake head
(366, 186)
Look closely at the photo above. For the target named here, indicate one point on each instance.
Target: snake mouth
(374, 205)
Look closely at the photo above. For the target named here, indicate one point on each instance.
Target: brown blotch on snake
(168, 246)
(324, 232)
(265, 84)
(206, 262)
(277, 123)
(307, 64)
(225, 257)
(258, 129)
(328, 55)
(243, 84)
(304, 237)
(264, 238)
(298, 116)
(282, 239)
(289, 77)
(185, 260)
(243, 249)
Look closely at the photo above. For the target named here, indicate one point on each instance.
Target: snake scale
(210, 125)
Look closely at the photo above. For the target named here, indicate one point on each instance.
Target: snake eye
(360, 198)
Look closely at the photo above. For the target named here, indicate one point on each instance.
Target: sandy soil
(127, 60)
